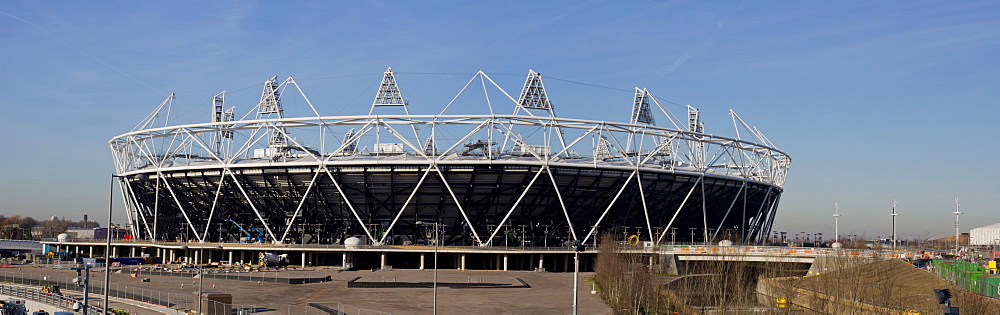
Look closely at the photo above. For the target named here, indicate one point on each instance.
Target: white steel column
(738, 193)
(348, 202)
(407, 203)
(215, 202)
(704, 214)
(252, 205)
(572, 230)
(156, 207)
(138, 213)
(298, 209)
(591, 233)
(516, 203)
(184, 212)
(679, 208)
(460, 209)
(645, 209)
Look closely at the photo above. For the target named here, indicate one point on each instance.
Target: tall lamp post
(836, 222)
(107, 246)
(894, 214)
(436, 241)
(957, 213)
(201, 276)
(576, 276)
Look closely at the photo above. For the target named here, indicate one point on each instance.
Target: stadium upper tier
(532, 139)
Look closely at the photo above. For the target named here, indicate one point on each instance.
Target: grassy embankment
(844, 285)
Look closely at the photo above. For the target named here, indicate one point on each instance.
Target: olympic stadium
(515, 175)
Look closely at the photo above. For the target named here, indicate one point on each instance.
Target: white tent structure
(987, 235)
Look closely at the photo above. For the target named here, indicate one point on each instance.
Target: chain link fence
(178, 302)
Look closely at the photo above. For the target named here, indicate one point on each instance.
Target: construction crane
(259, 238)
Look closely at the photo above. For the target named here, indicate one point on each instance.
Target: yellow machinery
(633, 240)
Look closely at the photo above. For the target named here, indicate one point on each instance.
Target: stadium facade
(529, 178)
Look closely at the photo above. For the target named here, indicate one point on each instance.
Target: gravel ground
(549, 292)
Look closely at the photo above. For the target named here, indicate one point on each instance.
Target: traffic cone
(182, 285)
(192, 282)
(213, 286)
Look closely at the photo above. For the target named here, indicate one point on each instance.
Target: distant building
(116, 233)
(79, 232)
(983, 236)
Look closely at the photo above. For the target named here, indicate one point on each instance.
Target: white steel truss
(175, 158)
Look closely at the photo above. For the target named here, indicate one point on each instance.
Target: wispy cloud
(81, 51)
(677, 63)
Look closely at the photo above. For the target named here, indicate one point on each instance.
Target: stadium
(390, 177)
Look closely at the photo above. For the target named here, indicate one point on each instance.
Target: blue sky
(874, 101)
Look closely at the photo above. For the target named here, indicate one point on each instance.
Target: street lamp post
(576, 276)
(836, 222)
(436, 241)
(107, 246)
(201, 276)
(545, 239)
(957, 213)
(85, 283)
(894, 214)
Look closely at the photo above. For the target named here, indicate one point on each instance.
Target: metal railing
(225, 274)
(165, 299)
(176, 301)
(54, 299)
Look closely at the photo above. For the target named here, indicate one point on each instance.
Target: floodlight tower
(836, 222)
(957, 213)
(894, 214)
